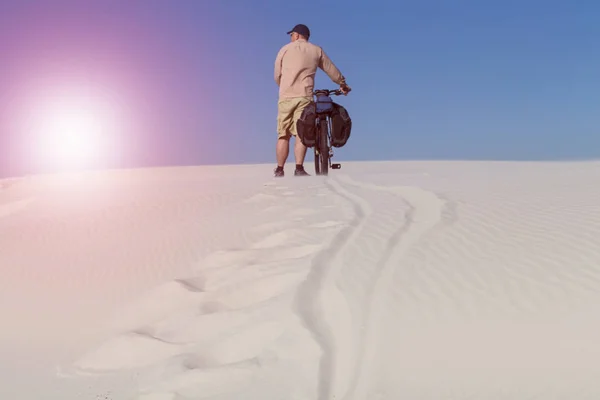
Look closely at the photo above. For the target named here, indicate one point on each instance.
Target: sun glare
(71, 129)
(70, 132)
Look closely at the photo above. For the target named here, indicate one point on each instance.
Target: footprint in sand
(216, 339)
(194, 315)
(210, 340)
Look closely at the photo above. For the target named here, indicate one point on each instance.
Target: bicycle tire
(316, 151)
(323, 147)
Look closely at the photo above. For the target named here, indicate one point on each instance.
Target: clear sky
(191, 81)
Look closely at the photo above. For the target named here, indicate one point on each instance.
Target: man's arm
(330, 69)
(278, 61)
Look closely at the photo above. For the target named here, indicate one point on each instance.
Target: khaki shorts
(288, 112)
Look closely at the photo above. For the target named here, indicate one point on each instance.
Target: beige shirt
(296, 66)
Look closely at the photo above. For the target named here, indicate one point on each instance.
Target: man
(295, 69)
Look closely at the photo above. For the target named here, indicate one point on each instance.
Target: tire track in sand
(319, 300)
(344, 371)
(425, 212)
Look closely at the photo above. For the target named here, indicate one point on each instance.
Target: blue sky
(431, 79)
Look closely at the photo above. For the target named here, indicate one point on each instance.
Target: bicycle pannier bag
(306, 125)
(341, 125)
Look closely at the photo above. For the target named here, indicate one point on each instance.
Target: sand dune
(386, 280)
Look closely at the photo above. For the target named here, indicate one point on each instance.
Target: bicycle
(323, 150)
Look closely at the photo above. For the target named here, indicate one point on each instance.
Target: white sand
(397, 280)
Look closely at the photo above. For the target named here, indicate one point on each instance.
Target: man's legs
(289, 110)
(282, 150)
(299, 148)
(299, 151)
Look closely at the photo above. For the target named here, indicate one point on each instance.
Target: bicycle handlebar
(336, 92)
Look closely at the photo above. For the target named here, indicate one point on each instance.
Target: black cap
(301, 29)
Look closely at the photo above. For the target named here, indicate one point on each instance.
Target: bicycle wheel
(323, 147)
(316, 153)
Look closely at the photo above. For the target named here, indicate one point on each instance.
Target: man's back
(296, 66)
